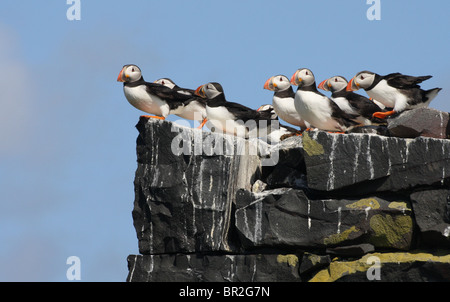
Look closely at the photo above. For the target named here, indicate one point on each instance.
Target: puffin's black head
(303, 77)
(334, 84)
(129, 73)
(277, 83)
(363, 79)
(209, 90)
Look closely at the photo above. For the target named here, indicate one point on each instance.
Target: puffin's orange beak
(293, 79)
(200, 91)
(267, 84)
(350, 86)
(322, 85)
(119, 78)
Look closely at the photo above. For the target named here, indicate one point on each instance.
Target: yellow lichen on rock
(313, 258)
(310, 146)
(337, 238)
(390, 232)
(399, 205)
(339, 269)
(291, 260)
(363, 204)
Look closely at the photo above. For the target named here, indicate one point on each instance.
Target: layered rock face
(317, 207)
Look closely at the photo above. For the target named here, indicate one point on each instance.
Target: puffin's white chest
(142, 100)
(344, 105)
(193, 111)
(316, 110)
(311, 105)
(285, 109)
(221, 118)
(387, 95)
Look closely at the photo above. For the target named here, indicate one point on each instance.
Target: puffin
(234, 118)
(284, 131)
(397, 91)
(283, 100)
(192, 107)
(152, 98)
(316, 108)
(351, 102)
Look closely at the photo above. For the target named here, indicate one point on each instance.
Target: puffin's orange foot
(383, 115)
(202, 124)
(153, 116)
(336, 132)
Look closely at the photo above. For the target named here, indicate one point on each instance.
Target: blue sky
(67, 133)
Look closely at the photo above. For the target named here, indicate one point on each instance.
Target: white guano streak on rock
(443, 166)
(150, 239)
(247, 227)
(367, 210)
(185, 200)
(355, 164)
(200, 183)
(232, 270)
(385, 153)
(256, 234)
(369, 158)
(154, 161)
(134, 266)
(254, 270)
(210, 181)
(331, 178)
(152, 263)
(309, 211)
(407, 151)
(339, 220)
(258, 222)
(190, 195)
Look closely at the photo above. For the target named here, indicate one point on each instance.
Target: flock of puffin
(306, 108)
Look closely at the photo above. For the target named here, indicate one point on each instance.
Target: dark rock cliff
(321, 207)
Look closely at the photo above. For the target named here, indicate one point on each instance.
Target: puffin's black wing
(187, 95)
(343, 117)
(161, 91)
(363, 105)
(242, 112)
(401, 81)
(165, 93)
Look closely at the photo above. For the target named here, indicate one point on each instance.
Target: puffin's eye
(132, 69)
(281, 79)
(163, 82)
(362, 77)
(307, 73)
(335, 79)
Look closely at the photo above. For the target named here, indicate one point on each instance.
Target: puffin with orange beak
(316, 108)
(236, 119)
(350, 102)
(223, 114)
(397, 91)
(152, 98)
(192, 107)
(283, 100)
